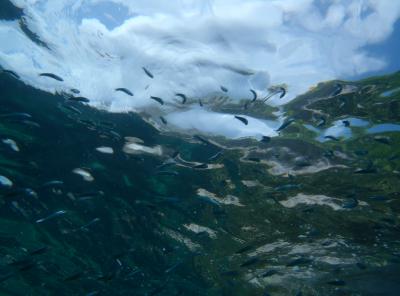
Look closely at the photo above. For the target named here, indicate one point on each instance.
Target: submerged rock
(320, 200)
(227, 200)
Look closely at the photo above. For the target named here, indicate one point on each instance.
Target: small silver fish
(30, 123)
(12, 144)
(84, 227)
(105, 150)
(51, 216)
(85, 174)
(5, 182)
(16, 115)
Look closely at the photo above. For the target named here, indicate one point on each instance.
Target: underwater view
(200, 147)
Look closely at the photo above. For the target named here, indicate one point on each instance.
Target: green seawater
(298, 214)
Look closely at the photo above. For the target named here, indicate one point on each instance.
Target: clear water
(96, 202)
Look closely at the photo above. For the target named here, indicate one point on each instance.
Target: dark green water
(293, 215)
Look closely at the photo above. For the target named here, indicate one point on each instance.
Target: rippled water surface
(297, 199)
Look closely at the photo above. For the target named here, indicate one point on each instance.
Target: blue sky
(110, 14)
(390, 50)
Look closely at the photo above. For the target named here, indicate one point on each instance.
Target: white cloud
(195, 46)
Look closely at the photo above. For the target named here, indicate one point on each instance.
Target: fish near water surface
(254, 95)
(12, 73)
(148, 73)
(163, 120)
(51, 75)
(79, 99)
(224, 89)
(51, 216)
(124, 90)
(286, 124)
(184, 98)
(242, 119)
(157, 99)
